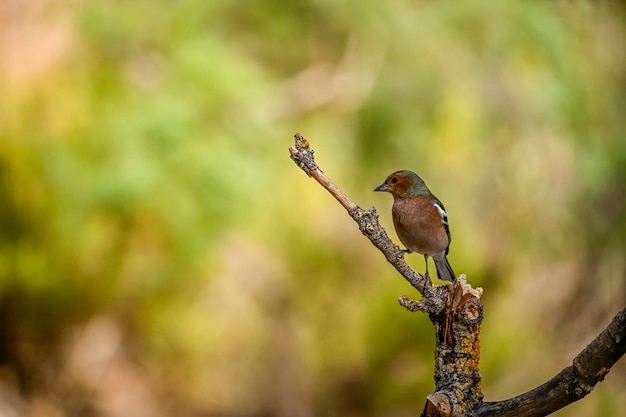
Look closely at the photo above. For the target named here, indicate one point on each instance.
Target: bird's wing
(444, 218)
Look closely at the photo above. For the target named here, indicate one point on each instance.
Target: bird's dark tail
(444, 270)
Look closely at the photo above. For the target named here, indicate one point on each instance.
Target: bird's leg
(426, 260)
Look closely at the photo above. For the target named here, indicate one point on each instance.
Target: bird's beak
(383, 187)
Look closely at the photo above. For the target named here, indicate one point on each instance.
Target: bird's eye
(394, 180)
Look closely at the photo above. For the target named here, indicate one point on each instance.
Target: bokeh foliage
(161, 255)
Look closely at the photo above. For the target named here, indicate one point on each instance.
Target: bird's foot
(428, 283)
(402, 252)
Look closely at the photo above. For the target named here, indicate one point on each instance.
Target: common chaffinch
(420, 220)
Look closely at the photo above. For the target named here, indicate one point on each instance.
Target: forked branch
(456, 313)
(454, 309)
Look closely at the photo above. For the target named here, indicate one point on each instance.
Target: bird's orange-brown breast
(419, 226)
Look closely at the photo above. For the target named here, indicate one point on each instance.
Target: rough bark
(456, 312)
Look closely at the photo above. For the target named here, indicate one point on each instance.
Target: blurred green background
(161, 255)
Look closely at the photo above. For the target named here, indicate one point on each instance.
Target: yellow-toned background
(161, 255)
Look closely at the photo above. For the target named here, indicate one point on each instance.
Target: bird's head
(404, 184)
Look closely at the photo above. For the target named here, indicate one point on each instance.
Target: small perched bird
(419, 219)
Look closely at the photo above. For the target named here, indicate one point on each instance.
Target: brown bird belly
(419, 226)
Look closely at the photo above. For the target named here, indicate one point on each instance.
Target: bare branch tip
(409, 303)
(301, 142)
(302, 155)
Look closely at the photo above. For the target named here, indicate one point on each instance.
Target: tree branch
(572, 383)
(456, 313)
(454, 309)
